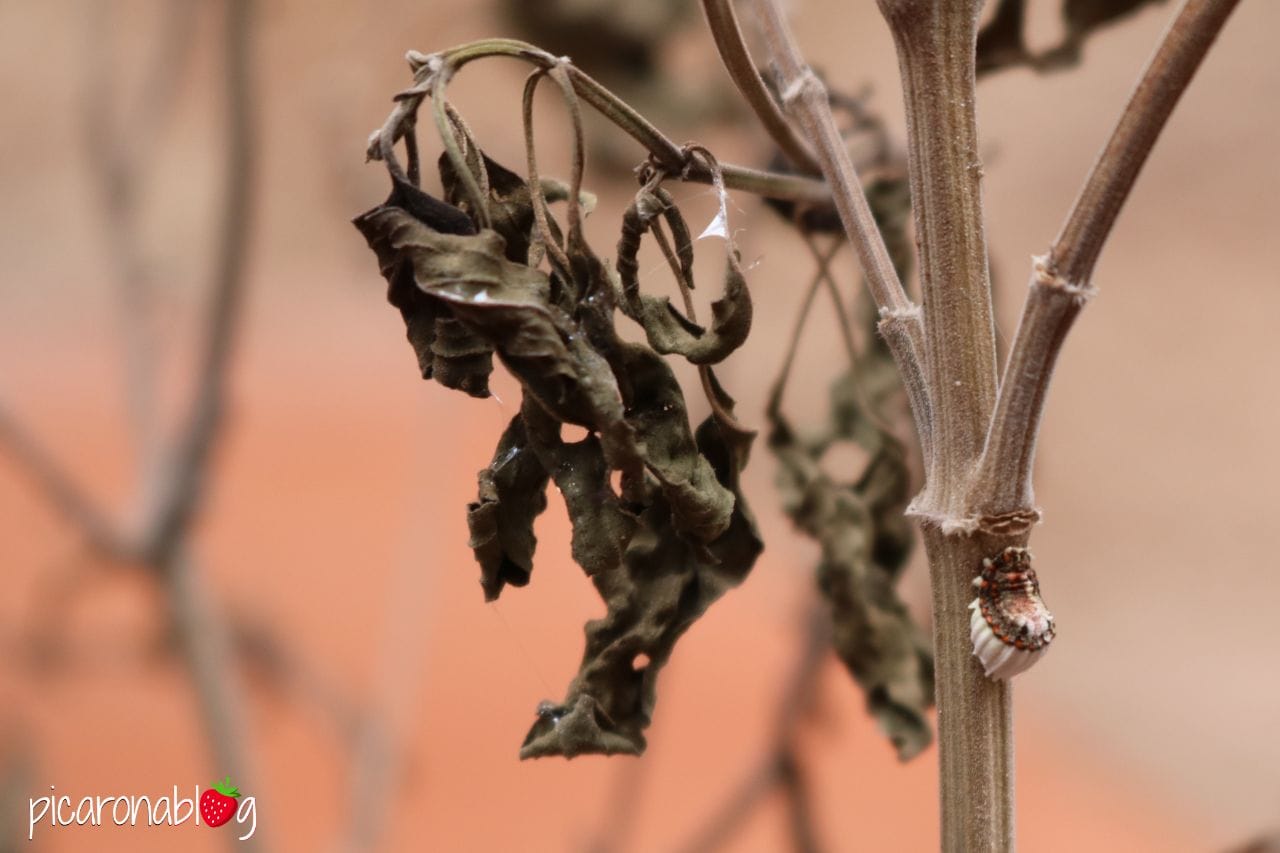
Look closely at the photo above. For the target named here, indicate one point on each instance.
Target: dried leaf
(667, 330)
(507, 304)
(701, 505)
(510, 205)
(602, 527)
(1002, 41)
(450, 354)
(679, 534)
(873, 633)
(662, 585)
(511, 494)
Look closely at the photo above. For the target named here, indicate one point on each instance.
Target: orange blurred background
(335, 523)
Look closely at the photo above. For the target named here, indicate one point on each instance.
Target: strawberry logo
(218, 804)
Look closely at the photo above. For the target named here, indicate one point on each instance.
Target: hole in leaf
(640, 661)
(572, 433)
(844, 461)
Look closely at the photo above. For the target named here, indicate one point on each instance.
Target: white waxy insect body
(1009, 624)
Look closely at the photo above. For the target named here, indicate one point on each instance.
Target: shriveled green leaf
(511, 493)
(668, 330)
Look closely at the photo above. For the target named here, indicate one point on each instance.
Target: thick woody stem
(975, 714)
(805, 98)
(1002, 498)
(935, 44)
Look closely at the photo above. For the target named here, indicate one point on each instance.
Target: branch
(935, 43)
(806, 98)
(1003, 499)
(206, 646)
(63, 493)
(671, 157)
(182, 483)
(114, 159)
(737, 61)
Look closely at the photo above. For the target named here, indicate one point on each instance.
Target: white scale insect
(1009, 624)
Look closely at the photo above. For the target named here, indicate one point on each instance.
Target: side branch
(805, 97)
(737, 61)
(1165, 78)
(669, 155)
(61, 491)
(1002, 498)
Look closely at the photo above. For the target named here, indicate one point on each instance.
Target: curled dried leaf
(446, 352)
(511, 494)
(662, 585)
(510, 205)
(465, 273)
(667, 330)
(873, 633)
(602, 526)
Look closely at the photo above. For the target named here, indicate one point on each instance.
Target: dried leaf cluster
(859, 522)
(1002, 42)
(659, 522)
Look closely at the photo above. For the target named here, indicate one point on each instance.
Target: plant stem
(1002, 497)
(670, 156)
(935, 44)
(806, 98)
(737, 61)
(975, 714)
(182, 481)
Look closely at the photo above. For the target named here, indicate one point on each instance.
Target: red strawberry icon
(218, 804)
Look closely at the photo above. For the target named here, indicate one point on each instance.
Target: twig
(805, 96)
(780, 768)
(162, 546)
(1061, 281)
(114, 160)
(62, 493)
(670, 156)
(206, 647)
(737, 61)
(182, 483)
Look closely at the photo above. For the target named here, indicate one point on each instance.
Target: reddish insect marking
(1010, 626)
